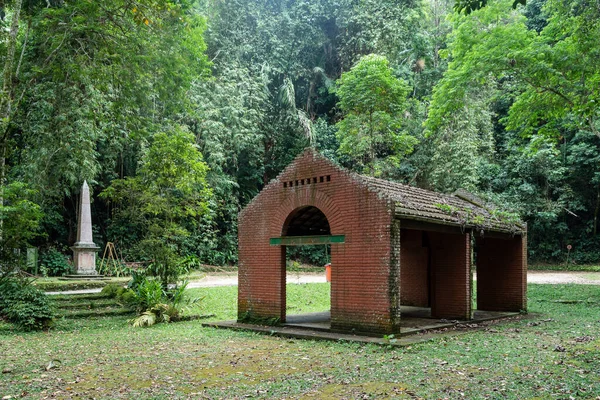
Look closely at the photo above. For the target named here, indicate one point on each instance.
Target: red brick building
(391, 245)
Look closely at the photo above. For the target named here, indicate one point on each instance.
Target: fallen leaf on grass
(52, 364)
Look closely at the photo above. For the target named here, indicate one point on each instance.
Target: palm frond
(148, 318)
(286, 95)
(306, 125)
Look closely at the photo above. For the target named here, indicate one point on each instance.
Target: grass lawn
(564, 267)
(552, 354)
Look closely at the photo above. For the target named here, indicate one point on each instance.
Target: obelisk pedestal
(84, 250)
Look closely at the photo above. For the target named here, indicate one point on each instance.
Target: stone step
(66, 298)
(97, 313)
(87, 305)
(84, 277)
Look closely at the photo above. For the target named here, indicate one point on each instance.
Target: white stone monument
(84, 250)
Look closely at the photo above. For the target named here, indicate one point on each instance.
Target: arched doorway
(307, 228)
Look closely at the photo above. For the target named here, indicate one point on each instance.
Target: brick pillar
(394, 285)
(502, 274)
(414, 272)
(261, 289)
(451, 275)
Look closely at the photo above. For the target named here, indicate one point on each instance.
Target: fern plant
(149, 294)
(155, 305)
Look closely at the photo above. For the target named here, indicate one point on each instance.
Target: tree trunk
(596, 212)
(7, 75)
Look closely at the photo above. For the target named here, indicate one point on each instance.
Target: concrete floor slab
(415, 325)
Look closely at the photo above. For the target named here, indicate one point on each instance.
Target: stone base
(83, 277)
(84, 259)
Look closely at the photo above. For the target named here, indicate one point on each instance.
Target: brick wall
(362, 270)
(414, 269)
(502, 273)
(451, 275)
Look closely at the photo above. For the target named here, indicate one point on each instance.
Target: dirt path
(554, 277)
(542, 277)
(211, 280)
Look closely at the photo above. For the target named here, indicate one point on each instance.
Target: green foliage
(148, 294)
(126, 297)
(92, 84)
(505, 216)
(511, 118)
(462, 145)
(100, 79)
(113, 290)
(137, 277)
(54, 263)
(557, 68)
(24, 305)
(19, 218)
(88, 88)
(154, 304)
(274, 65)
(114, 268)
(447, 208)
(165, 201)
(468, 6)
(312, 255)
(372, 101)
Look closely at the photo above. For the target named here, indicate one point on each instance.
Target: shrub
(20, 219)
(127, 297)
(24, 305)
(112, 290)
(143, 295)
(149, 294)
(154, 304)
(137, 277)
(55, 263)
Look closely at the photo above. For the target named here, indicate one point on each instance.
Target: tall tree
(7, 96)
(541, 70)
(95, 81)
(372, 100)
(164, 203)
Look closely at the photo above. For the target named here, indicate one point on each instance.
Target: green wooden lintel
(306, 240)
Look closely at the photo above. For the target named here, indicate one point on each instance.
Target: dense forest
(178, 112)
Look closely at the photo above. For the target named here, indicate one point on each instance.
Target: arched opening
(306, 221)
(306, 248)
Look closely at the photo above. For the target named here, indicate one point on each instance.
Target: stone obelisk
(84, 251)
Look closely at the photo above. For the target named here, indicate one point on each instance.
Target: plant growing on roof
(447, 208)
(478, 220)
